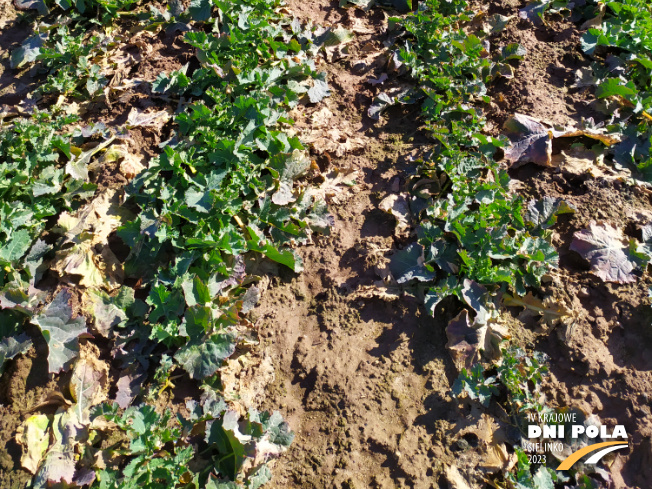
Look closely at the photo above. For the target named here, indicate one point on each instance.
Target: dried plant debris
(471, 341)
(531, 139)
(550, 311)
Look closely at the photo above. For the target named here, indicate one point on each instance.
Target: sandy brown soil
(365, 383)
(24, 386)
(13, 86)
(542, 87)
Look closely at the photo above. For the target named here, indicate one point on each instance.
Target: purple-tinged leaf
(129, 384)
(60, 331)
(463, 341)
(59, 463)
(84, 477)
(532, 139)
(608, 251)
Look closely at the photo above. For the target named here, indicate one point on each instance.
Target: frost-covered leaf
(283, 196)
(363, 4)
(584, 77)
(608, 251)
(332, 135)
(443, 253)
(77, 166)
(129, 384)
(542, 478)
(379, 81)
(339, 35)
(109, 312)
(60, 460)
(99, 218)
(131, 163)
(581, 161)
(463, 341)
(531, 141)
(497, 23)
(296, 165)
(18, 299)
(334, 182)
(378, 291)
(84, 476)
(319, 219)
(290, 168)
(380, 103)
(79, 260)
(534, 11)
(318, 91)
(34, 438)
(203, 359)
(250, 299)
(503, 69)
(60, 330)
(513, 51)
(475, 295)
(176, 7)
(644, 250)
(38, 5)
(212, 403)
(199, 200)
(138, 118)
(276, 429)
(258, 477)
(28, 51)
(88, 230)
(227, 443)
(215, 483)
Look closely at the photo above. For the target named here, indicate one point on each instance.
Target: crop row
(222, 189)
(479, 242)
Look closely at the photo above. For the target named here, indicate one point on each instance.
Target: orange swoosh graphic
(574, 457)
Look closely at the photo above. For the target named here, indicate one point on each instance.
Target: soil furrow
(363, 382)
